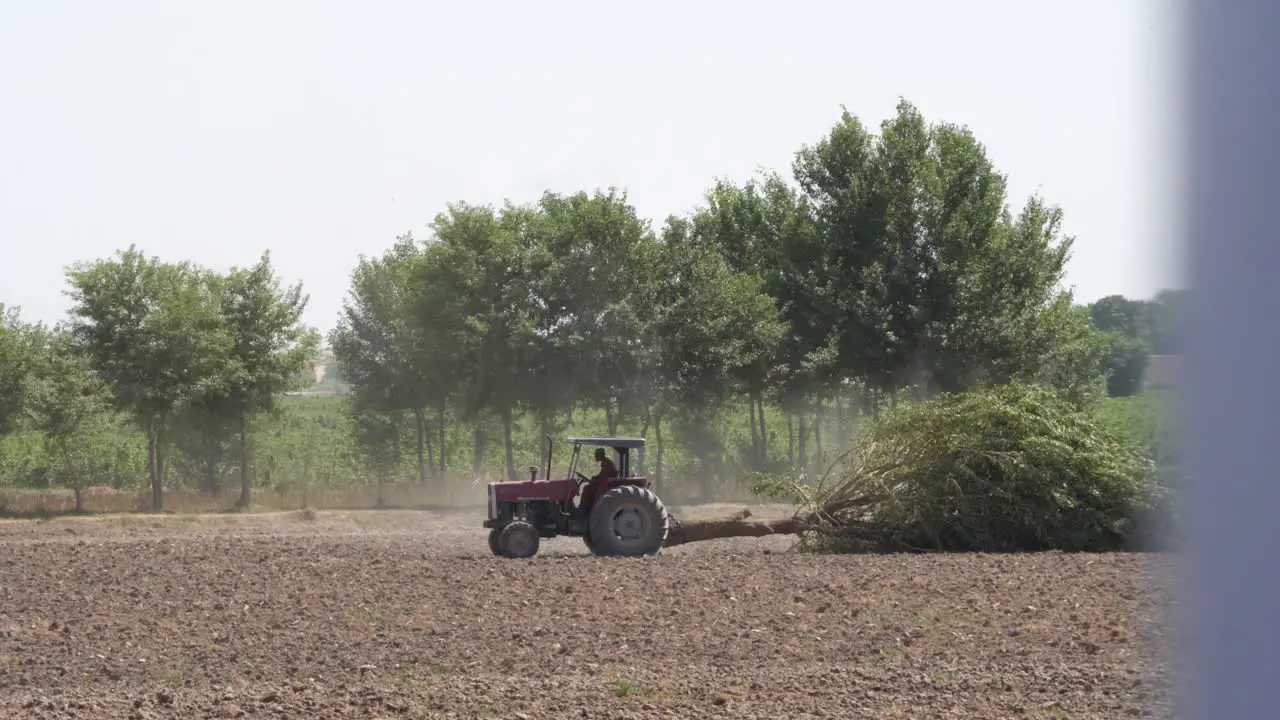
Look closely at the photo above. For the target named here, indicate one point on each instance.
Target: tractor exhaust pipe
(550, 443)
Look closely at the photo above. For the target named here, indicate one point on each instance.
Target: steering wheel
(581, 478)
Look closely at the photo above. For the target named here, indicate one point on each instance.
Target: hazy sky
(321, 130)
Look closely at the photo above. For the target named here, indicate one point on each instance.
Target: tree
(1014, 320)
(933, 476)
(269, 347)
(69, 406)
(17, 358)
(203, 431)
(833, 277)
(153, 332)
(938, 287)
(477, 293)
(386, 349)
(1117, 313)
(1164, 321)
(377, 434)
(1125, 363)
(709, 322)
(598, 247)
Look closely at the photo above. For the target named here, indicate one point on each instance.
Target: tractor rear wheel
(628, 521)
(518, 539)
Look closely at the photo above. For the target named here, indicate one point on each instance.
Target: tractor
(619, 516)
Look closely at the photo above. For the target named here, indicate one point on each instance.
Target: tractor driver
(607, 468)
(607, 471)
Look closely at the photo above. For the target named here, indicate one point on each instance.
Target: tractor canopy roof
(613, 442)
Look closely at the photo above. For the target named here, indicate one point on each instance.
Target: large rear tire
(518, 539)
(628, 521)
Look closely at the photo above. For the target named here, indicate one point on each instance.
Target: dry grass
(452, 492)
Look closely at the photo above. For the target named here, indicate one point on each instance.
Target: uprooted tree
(1013, 467)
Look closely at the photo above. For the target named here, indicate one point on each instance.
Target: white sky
(321, 130)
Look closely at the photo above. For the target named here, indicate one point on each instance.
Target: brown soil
(404, 614)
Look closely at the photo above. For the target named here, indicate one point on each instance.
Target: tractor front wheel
(494, 534)
(628, 521)
(518, 539)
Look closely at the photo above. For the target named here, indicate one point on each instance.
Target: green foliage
(1016, 467)
(17, 361)
(1154, 321)
(1125, 363)
(269, 345)
(69, 407)
(191, 355)
(1133, 330)
(1148, 420)
(152, 332)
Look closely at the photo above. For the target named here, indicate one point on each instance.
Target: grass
(451, 493)
(625, 688)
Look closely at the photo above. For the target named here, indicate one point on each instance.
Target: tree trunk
(506, 443)
(755, 437)
(153, 468)
(736, 526)
(68, 468)
(842, 423)
(791, 440)
(818, 416)
(802, 439)
(420, 426)
(160, 473)
(308, 477)
(477, 444)
(644, 433)
(546, 428)
(245, 478)
(443, 467)
(431, 453)
(764, 435)
(657, 469)
(212, 482)
(610, 419)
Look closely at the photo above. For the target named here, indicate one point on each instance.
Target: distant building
(1163, 372)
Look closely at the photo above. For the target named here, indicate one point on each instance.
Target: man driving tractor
(608, 471)
(607, 468)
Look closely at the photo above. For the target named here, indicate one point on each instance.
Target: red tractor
(618, 516)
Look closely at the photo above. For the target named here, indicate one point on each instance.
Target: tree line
(885, 266)
(186, 356)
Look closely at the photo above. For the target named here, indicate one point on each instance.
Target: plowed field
(382, 615)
